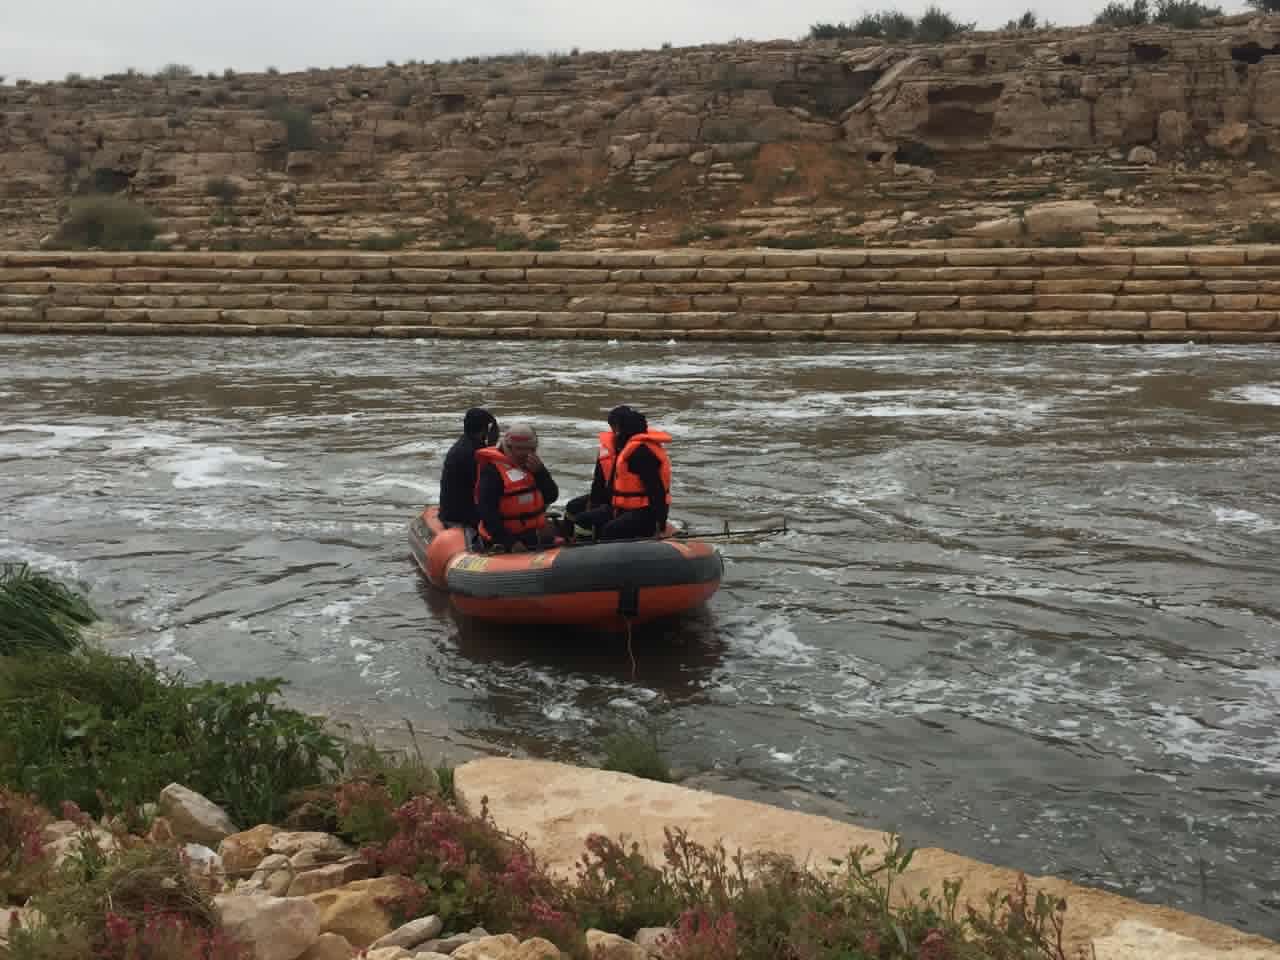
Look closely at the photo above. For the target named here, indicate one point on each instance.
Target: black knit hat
(628, 421)
(477, 420)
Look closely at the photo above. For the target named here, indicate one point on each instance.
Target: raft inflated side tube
(443, 546)
(603, 585)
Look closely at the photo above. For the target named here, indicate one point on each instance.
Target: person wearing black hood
(631, 487)
(603, 475)
(458, 478)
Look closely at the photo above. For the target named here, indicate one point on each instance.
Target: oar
(727, 532)
(686, 534)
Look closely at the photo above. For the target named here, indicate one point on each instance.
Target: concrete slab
(556, 807)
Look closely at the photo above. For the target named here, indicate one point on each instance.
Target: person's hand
(533, 463)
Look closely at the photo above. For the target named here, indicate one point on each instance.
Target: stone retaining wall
(1159, 294)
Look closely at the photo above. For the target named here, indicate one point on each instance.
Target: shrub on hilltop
(1184, 14)
(934, 26)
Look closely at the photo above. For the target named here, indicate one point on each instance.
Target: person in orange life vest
(603, 474)
(513, 490)
(639, 485)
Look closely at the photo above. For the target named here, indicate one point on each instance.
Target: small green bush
(224, 189)
(1029, 20)
(897, 26)
(38, 613)
(142, 905)
(619, 890)
(1062, 240)
(1262, 232)
(465, 230)
(21, 850)
(1118, 13)
(463, 869)
(800, 241)
(386, 241)
(1266, 6)
(219, 96)
(885, 25)
(108, 733)
(404, 773)
(175, 71)
(871, 26)
(287, 240)
(556, 77)
(444, 777)
(937, 231)
(1184, 14)
(828, 31)
(299, 131)
(696, 232)
(1168, 240)
(107, 223)
(937, 26)
(813, 241)
(508, 242)
(637, 754)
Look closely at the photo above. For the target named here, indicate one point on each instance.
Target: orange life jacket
(628, 491)
(522, 505)
(607, 456)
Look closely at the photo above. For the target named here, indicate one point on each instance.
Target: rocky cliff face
(1150, 135)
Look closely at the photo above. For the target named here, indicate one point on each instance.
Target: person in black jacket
(607, 522)
(519, 446)
(458, 478)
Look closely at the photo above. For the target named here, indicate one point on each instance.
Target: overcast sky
(46, 39)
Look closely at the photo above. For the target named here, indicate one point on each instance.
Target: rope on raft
(630, 652)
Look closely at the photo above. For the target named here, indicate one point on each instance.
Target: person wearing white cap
(513, 490)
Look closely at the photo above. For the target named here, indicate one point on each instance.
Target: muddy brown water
(1027, 610)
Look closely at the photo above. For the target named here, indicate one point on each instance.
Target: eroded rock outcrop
(741, 141)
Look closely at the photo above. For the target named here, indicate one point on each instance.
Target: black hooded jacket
(458, 477)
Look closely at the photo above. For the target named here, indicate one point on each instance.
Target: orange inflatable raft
(598, 585)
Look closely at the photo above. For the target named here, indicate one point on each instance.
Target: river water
(1027, 609)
